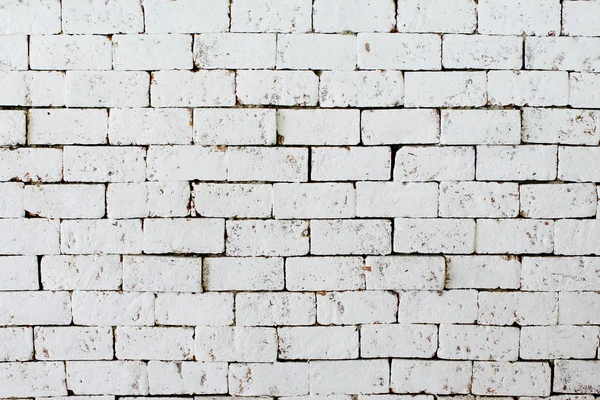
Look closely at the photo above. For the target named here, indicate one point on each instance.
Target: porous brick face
(299, 199)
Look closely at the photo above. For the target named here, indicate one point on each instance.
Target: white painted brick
(98, 17)
(471, 342)
(32, 379)
(508, 379)
(101, 236)
(422, 163)
(483, 272)
(551, 342)
(399, 51)
(104, 164)
(313, 200)
(192, 88)
(429, 235)
(324, 273)
(243, 273)
(349, 376)
(154, 343)
(65, 201)
(562, 53)
(236, 343)
(318, 342)
(350, 308)
(271, 164)
(398, 340)
(222, 126)
(445, 89)
(522, 308)
(577, 237)
(15, 53)
(234, 51)
(578, 164)
(146, 52)
(558, 201)
(187, 377)
(16, 344)
(148, 199)
(64, 52)
(481, 127)
(67, 126)
(106, 88)
(186, 16)
(579, 308)
(100, 377)
(576, 377)
(282, 88)
(145, 126)
(273, 379)
(267, 238)
(400, 126)
(233, 200)
(439, 377)
(32, 88)
(405, 273)
(162, 274)
(518, 17)
(479, 199)
(351, 163)
(514, 236)
(396, 199)
(30, 17)
(275, 308)
(528, 88)
(181, 163)
(580, 18)
(565, 274)
(204, 309)
(440, 16)
(318, 127)
(516, 163)
(583, 90)
(13, 127)
(564, 126)
(98, 308)
(29, 236)
(19, 273)
(184, 235)
(332, 237)
(11, 200)
(482, 51)
(73, 343)
(81, 272)
(316, 51)
(355, 15)
(35, 308)
(31, 165)
(320, 397)
(445, 307)
(361, 89)
(271, 16)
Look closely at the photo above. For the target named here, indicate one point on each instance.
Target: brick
(222, 126)
(361, 89)
(17, 344)
(400, 126)
(514, 236)
(32, 379)
(577, 164)
(192, 88)
(236, 343)
(481, 127)
(398, 340)
(281, 88)
(518, 17)
(561, 53)
(324, 273)
(83, 272)
(563, 341)
(106, 88)
(29, 236)
(576, 376)
(35, 308)
(471, 342)
(146, 52)
(405, 273)
(19, 273)
(15, 55)
(429, 235)
(313, 200)
(396, 199)
(580, 19)
(516, 163)
(148, 199)
(349, 376)
(98, 308)
(318, 127)
(399, 51)
(275, 379)
(276, 164)
(73, 343)
(98, 377)
(445, 89)
(271, 16)
(98, 17)
(316, 51)
(439, 16)
(233, 200)
(422, 163)
(368, 163)
(267, 238)
(65, 201)
(482, 51)
(31, 165)
(360, 237)
(350, 308)
(528, 88)
(558, 201)
(318, 342)
(578, 308)
(243, 273)
(67, 126)
(162, 274)
(507, 379)
(184, 235)
(275, 308)
(186, 16)
(187, 377)
(439, 377)
(521, 308)
(154, 343)
(104, 164)
(234, 51)
(483, 272)
(13, 127)
(564, 274)
(101, 236)
(203, 309)
(564, 126)
(31, 17)
(32, 88)
(65, 52)
(144, 126)
(331, 16)
(182, 163)
(11, 200)
(577, 237)
(583, 90)
(478, 199)
(446, 307)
